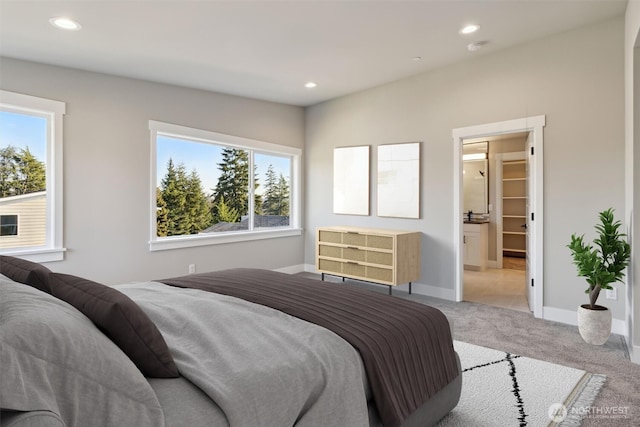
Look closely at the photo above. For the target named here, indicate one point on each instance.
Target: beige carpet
(521, 333)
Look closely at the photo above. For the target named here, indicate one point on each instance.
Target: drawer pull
(352, 232)
(352, 262)
(352, 247)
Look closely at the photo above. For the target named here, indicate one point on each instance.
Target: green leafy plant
(605, 263)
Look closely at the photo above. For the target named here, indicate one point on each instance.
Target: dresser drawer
(380, 242)
(330, 266)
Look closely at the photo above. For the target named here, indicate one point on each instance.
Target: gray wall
(107, 168)
(574, 78)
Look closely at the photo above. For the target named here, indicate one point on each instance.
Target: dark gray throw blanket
(406, 347)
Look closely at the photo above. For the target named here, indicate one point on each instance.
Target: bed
(241, 347)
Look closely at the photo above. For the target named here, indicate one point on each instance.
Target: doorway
(533, 127)
(500, 213)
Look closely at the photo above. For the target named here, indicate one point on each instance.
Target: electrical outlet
(612, 293)
(192, 268)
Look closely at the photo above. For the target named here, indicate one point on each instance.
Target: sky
(204, 158)
(22, 131)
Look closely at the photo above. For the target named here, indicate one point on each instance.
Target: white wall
(576, 79)
(107, 168)
(632, 143)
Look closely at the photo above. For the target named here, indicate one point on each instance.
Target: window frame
(53, 111)
(253, 146)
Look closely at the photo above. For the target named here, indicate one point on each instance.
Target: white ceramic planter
(594, 325)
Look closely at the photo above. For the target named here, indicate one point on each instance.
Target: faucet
(469, 215)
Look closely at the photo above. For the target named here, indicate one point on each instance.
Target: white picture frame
(351, 180)
(399, 180)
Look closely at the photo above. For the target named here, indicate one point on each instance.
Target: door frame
(535, 125)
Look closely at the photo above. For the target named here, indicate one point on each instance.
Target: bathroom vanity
(476, 245)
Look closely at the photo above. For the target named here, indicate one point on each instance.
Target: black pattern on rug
(522, 419)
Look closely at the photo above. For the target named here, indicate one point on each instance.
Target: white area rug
(502, 389)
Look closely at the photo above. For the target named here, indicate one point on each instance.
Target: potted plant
(600, 265)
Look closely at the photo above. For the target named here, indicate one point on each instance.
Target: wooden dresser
(386, 257)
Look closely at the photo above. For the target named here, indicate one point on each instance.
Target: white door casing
(534, 125)
(530, 166)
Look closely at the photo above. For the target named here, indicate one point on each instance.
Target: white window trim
(183, 132)
(53, 250)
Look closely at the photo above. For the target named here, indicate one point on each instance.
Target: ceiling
(269, 49)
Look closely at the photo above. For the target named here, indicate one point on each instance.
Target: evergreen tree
(226, 213)
(198, 213)
(20, 172)
(268, 205)
(174, 196)
(276, 195)
(283, 196)
(186, 205)
(162, 225)
(233, 183)
(257, 198)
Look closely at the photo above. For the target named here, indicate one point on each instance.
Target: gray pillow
(121, 319)
(27, 272)
(55, 359)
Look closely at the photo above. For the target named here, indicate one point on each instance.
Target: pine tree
(174, 196)
(20, 172)
(283, 196)
(233, 183)
(196, 204)
(276, 195)
(186, 205)
(268, 205)
(257, 198)
(226, 213)
(162, 225)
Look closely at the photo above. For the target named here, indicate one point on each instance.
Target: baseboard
(492, 264)
(416, 288)
(310, 268)
(569, 317)
(293, 269)
(635, 354)
(430, 291)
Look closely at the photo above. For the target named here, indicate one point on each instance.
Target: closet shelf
(514, 200)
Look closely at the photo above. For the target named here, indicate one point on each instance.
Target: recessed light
(310, 85)
(65, 23)
(468, 29)
(417, 58)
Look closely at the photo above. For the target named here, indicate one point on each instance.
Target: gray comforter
(261, 366)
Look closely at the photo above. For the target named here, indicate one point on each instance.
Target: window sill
(37, 255)
(178, 242)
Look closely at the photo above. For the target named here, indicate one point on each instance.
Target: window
(31, 177)
(8, 225)
(211, 188)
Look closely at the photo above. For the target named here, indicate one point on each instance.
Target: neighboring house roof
(21, 197)
(260, 221)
